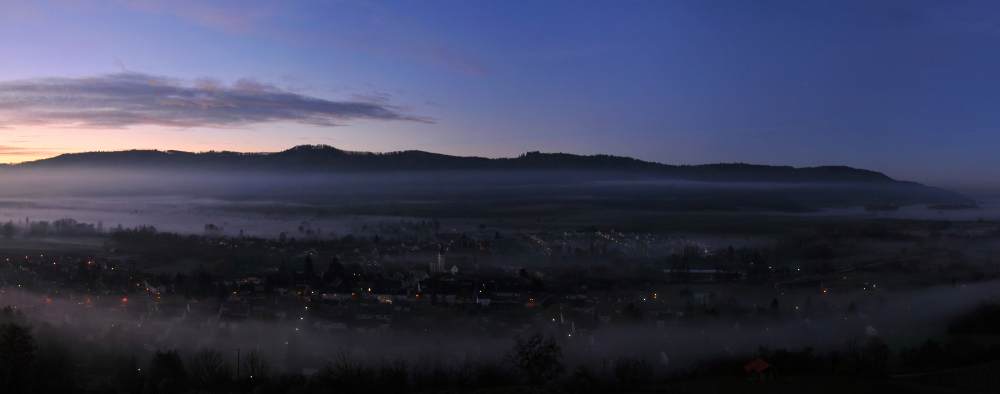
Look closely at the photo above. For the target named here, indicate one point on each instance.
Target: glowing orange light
(123, 300)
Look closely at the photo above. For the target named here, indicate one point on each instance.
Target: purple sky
(907, 88)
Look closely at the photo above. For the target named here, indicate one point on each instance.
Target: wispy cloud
(127, 99)
(378, 98)
(6, 150)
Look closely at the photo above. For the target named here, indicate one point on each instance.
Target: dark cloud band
(127, 99)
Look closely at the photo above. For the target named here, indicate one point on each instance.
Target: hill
(531, 179)
(322, 159)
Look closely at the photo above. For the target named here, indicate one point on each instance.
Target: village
(459, 296)
(484, 284)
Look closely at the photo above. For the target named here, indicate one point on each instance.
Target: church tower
(440, 264)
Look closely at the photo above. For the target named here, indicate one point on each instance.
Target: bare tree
(209, 369)
(348, 375)
(537, 357)
(393, 375)
(253, 366)
(855, 351)
(876, 353)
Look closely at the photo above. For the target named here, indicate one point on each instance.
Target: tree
(127, 377)
(689, 310)
(925, 357)
(630, 314)
(876, 353)
(538, 358)
(254, 367)
(633, 370)
(17, 352)
(9, 230)
(309, 271)
(166, 371)
(210, 370)
(334, 270)
(854, 351)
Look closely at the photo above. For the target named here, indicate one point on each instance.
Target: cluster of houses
(450, 279)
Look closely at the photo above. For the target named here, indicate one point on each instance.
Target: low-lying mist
(264, 204)
(297, 342)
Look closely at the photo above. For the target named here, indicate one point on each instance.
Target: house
(483, 299)
(604, 314)
(760, 371)
(335, 296)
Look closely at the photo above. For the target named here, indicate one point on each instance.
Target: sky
(907, 88)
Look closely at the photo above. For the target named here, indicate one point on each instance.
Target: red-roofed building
(759, 370)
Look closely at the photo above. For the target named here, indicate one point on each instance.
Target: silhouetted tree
(9, 230)
(82, 272)
(633, 370)
(166, 372)
(308, 271)
(538, 358)
(17, 352)
(876, 353)
(630, 314)
(334, 270)
(254, 367)
(127, 377)
(210, 370)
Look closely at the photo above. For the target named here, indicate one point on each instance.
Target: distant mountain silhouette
(535, 178)
(322, 158)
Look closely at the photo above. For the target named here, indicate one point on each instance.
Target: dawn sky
(907, 88)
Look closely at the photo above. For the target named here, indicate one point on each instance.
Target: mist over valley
(434, 270)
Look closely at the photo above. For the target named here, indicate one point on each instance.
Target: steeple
(440, 264)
